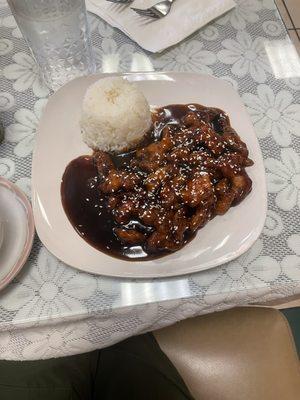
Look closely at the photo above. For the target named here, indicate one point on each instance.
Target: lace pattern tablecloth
(52, 310)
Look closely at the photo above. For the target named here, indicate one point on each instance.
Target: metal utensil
(159, 10)
(121, 1)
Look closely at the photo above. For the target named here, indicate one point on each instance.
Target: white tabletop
(52, 310)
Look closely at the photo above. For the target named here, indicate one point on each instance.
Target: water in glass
(58, 35)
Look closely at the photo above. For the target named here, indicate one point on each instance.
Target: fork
(159, 10)
(121, 1)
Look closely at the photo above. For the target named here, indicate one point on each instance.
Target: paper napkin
(185, 17)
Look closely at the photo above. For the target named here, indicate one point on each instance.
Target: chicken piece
(168, 195)
(154, 180)
(190, 119)
(184, 138)
(180, 226)
(112, 202)
(170, 229)
(152, 157)
(179, 155)
(112, 182)
(161, 241)
(166, 143)
(156, 150)
(159, 218)
(233, 142)
(204, 134)
(232, 167)
(200, 218)
(241, 185)
(150, 166)
(103, 162)
(129, 180)
(215, 112)
(224, 202)
(178, 182)
(197, 190)
(117, 180)
(201, 158)
(124, 212)
(151, 217)
(229, 169)
(169, 131)
(155, 155)
(235, 159)
(219, 119)
(214, 174)
(222, 187)
(224, 195)
(130, 236)
(167, 219)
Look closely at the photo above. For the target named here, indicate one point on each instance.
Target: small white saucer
(16, 230)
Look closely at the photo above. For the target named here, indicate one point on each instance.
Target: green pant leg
(137, 369)
(68, 378)
(293, 317)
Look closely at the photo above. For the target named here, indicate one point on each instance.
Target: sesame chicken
(191, 170)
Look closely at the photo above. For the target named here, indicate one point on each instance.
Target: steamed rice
(115, 115)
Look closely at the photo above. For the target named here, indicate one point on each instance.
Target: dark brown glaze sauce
(88, 213)
(86, 205)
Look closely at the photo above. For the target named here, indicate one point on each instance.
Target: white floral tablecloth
(52, 310)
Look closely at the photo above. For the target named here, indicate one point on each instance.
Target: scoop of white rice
(115, 115)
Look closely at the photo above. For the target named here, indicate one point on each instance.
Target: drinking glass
(58, 35)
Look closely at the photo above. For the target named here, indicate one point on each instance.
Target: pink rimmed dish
(17, 228)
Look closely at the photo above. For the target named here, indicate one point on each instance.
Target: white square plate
(59, 141)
